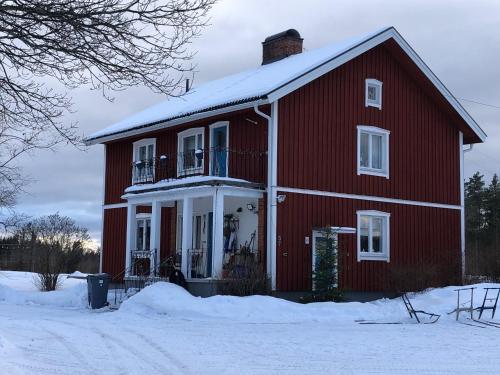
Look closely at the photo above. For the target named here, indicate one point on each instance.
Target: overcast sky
(459, 40)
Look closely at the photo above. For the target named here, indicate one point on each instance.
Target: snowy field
(164, 330)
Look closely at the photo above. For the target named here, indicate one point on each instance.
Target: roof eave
(167, 123)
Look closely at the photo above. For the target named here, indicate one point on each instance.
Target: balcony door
(219, 144)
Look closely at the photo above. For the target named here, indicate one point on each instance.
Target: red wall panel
(317, 147)
(419, 236)
(114, 242)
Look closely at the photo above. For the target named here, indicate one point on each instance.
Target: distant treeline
(482, 226)
(50, 243)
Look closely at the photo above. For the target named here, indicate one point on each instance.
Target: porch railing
(143, 263)
(221, 162)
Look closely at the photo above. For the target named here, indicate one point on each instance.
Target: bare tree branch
(107, 44)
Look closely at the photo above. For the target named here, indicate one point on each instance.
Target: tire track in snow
(141, 355)
(112, 341)
(182, 367)
(72, 349)
(110, 347)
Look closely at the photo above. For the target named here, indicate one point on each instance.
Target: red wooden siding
(114, 242)
(118, 171)
(419, 236)
(318, 134)
(244, 136)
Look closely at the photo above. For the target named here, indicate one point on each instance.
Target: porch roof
(191, 182)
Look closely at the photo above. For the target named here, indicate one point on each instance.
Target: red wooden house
(358, 135)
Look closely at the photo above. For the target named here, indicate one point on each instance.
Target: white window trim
(180, 149)
(378, 85)
(135, 153)
(315, 235)
(384, 172)
(385, 255)
(216, 125)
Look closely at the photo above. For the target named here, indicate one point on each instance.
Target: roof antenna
(187, 85)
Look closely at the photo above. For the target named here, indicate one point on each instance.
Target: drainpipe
(462, 198)
(272, 177)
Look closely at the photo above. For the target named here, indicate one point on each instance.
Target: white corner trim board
(371, 198)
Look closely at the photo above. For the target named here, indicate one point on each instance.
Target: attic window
(373, 93)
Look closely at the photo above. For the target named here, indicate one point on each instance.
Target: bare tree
(107, 44)
(56, 238)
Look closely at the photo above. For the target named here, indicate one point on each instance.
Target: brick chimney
(281, 45)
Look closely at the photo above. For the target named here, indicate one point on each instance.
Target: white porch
(222, 229)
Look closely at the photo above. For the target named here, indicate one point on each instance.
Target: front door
(322, 244)
(219, 151)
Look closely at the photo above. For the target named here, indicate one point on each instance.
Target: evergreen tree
(474, 210)
(325, 274)
(492, 213)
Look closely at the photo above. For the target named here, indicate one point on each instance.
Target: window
(373, 235)
(143, 233)
(144, 161)
(190, 157)
(373, 93)
(219, 150)
(373, 151)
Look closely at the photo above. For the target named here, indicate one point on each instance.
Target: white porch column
(131, 232)
(154, 242)
(218, 233)
(187, 230)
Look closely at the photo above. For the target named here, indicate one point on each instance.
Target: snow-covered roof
(262, 85)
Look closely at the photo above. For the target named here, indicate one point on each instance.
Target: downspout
(272, 177)
(102, 210)
(462, 199)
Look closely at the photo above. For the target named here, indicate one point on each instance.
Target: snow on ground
(164, 330)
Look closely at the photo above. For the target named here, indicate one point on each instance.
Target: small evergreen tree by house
(325, 273)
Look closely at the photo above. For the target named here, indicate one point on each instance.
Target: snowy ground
(163, 330)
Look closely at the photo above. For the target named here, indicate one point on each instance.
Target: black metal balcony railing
(247, 165)
(143, 262)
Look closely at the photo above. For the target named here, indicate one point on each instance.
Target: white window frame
(135, 154)
(216, 125)
(180, 149)
(373, 130)
(386, 234)
(371, 82)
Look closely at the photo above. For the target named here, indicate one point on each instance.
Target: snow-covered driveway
(144, 339)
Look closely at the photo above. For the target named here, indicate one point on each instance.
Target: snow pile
(18, 288)
(173, 301)
(77, 274)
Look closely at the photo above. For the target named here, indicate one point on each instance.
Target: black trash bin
(98, 290)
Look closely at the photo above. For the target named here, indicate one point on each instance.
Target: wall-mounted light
(250, 207)
(280, 198)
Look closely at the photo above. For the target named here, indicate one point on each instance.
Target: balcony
(246, 165)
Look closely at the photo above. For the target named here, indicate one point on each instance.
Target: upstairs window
(373, 93)
(373, 235)
(191, 154)
(373, 151)
(144, 161)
